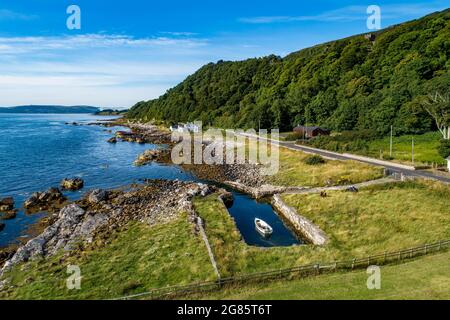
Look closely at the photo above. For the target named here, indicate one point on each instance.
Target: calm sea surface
(37, 151)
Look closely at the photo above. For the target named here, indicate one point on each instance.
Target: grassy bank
(136, 259)
(378, 218)
(364, 143)
(424, 278)
(375, 220)
(425, 148)
(295, 172)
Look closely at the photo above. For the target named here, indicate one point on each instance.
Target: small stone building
(311, 132)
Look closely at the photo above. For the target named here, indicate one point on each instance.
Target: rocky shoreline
(246, 174)
(98, 213)
(92, 219)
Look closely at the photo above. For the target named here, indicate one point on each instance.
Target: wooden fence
(294, 273)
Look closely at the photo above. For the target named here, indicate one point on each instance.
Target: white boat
(263, 227)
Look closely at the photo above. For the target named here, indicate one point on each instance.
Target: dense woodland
(357, 83)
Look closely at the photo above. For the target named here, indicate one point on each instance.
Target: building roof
(311, 128)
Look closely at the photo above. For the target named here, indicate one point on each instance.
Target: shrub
(293, 136)
(444, 149)
(387, 157)
(314, 160)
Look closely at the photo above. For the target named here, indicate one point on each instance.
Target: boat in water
(263, 227)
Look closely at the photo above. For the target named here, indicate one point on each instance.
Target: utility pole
(413, 150)
(390, 149)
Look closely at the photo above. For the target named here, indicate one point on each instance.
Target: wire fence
(294, 273)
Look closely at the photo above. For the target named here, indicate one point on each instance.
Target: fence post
(353, 263)
(426, 248)
(317, 269)
(368, 261)
(335, 266)
(411, 253)
(440, 245)
(385, 257)
(399, 255)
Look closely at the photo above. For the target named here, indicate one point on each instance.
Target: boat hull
(263, 228)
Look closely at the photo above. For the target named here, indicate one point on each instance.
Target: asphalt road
(332, 155)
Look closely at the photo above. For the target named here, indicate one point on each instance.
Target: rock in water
(227, 198)
(8, 215)
(112, 140)
(146, 157)
(72, 184)
(2, 226)
(45, 200)
(6, 204)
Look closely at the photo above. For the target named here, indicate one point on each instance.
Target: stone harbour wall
(308, 229)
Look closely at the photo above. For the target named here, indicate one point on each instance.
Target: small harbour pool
(244, 211)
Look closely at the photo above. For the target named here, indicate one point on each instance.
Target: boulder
(51, 195)
(112, 140)
(227, 198)
(6, 204)
(8, 215)
(97, 196)
(32, 201)
(72, 184)
(146, 157)
(45, 200)
(72, 212)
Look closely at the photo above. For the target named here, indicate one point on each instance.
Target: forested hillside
(353, 83)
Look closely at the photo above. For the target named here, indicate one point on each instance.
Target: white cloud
(352, 13)
(88, 41)
(6, 14)
(108, 70)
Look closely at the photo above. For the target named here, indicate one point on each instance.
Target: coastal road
(337, 156)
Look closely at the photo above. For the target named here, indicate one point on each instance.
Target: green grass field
(377, 219)
(138, 259)
(423, 278)
(294, 171)
(425, 148)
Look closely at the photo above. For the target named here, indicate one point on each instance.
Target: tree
(438, 107)
(444, 149)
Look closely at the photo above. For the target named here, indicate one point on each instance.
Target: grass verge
(425, 148)
(375, 220)
(424, 278)
(136, 260)
(295, 172)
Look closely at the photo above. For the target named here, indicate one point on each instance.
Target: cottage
(188, 127)
(177, 128)
(311, 132)
(192, 127)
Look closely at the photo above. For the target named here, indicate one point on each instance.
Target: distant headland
(49, 109)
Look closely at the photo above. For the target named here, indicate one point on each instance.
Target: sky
(134, 50)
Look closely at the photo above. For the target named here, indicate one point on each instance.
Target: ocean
(37, 151)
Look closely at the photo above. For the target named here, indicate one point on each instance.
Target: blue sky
(133, 50)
